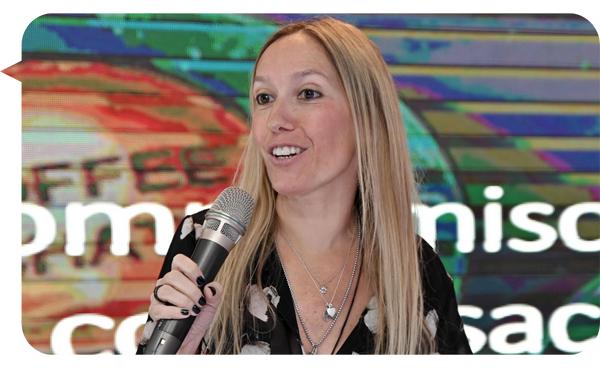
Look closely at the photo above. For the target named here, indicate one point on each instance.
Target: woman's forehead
(298, 55)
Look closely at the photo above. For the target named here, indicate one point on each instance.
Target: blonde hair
(387, 190)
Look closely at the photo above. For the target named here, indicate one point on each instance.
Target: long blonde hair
(387, 190)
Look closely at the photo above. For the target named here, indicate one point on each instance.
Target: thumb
(212, 294)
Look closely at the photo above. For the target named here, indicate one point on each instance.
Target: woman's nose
(281, 117)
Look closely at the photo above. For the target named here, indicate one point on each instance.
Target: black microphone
(225, 223)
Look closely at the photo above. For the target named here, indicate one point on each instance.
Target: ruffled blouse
(279, 333)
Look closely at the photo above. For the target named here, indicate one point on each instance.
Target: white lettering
(60, 338)
(532, 327)
(477, 338)
(45, 229)
(492, 218)
(465, 223)
(125, 341)
(557, 326)
(76, 214)
(519, 216)
(44, 225)
(567, 227)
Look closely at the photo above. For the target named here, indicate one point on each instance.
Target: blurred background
(140, 119)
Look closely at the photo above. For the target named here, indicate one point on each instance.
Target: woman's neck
(317, 225)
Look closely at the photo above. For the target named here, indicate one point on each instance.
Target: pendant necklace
(330, 310)
(335, 317)
(323, 289)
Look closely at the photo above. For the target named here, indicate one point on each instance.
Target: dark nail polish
(196, 309)
(214, 291)
(202, 301)
(200, 280)
(185, 312)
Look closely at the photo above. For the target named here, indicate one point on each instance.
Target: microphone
(224, 225)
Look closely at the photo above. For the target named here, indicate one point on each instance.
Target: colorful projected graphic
(139, 119)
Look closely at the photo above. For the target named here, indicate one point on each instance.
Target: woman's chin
(287, 191)
(288, 188)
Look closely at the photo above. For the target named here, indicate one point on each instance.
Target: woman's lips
(284, 149)
(283, 155)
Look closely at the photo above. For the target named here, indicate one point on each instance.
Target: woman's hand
(180, 288)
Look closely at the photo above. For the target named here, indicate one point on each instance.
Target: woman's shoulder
(428, 257)
(184, 239)
(191, 224)
(198, 217)
(436, 281)
(440, 305)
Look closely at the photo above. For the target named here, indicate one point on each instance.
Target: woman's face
(302, 122)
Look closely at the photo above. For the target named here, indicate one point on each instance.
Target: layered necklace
(330, 312)
(329, 308)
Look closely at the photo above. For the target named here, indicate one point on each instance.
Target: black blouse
(262, 335)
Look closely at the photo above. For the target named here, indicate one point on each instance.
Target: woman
(331, 262)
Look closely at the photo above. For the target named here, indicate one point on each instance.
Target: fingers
(181, 291)
(178, 307)
(212, 293)
(187, 267)
(158, 310)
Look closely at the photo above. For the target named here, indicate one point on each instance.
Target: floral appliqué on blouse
(257, 306)
(370, 319)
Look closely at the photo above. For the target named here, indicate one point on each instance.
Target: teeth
(286, 151)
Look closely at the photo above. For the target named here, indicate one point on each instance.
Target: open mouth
(284, 152)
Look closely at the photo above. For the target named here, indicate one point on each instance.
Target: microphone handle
(169, 334)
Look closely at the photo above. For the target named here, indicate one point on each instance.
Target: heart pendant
(331, 311)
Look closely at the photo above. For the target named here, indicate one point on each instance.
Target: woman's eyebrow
(261, 79)
(308, 72)
(297, 75)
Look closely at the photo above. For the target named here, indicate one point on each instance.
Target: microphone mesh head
(237, 203)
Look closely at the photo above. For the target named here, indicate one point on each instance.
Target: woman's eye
(309, 94)
(263, 98)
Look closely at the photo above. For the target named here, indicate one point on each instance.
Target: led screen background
(150, 112)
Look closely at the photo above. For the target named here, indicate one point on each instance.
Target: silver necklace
(315, 345)
(323, 289)
(330, 310)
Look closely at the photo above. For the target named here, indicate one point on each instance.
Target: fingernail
(202, 301)
(196, 309)
(185, 312)
(214, 291)
(200, 280)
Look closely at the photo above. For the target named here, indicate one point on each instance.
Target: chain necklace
(313, 277)
(329, 308)
(315, 345)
